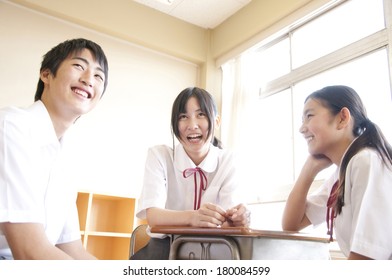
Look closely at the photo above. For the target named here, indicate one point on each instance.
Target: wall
(130, 21)
(135, 23)
(152, 57)
(109, 144)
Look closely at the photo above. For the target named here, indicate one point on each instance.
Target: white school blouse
(165, 186)
(365, 223)
(33, 175)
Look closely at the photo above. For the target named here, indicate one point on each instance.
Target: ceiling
(207, 14)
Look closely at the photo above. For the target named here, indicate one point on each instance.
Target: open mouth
(309, 138)
(82, 93)
(194, 137)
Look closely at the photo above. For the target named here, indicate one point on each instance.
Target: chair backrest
(139, 239)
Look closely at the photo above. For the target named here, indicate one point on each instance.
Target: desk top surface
(237, 231)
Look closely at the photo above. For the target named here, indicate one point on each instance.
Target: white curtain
(239, 100)
(239, 97)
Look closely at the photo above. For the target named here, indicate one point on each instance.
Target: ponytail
(369, 135)
(217, 143)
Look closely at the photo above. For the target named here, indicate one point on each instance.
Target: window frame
(373, 42)
(381, 39)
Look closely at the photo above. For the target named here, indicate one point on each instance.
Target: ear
(44, 75)
(217, 122)
(344, 118)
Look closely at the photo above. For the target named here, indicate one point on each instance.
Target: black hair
(367, 133)
(53, 58)
(207, 105)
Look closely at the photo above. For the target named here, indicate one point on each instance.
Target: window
(336, 28)
(346, 43)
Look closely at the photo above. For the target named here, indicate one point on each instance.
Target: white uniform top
(365, 224)
(165, 186)
(32, 182)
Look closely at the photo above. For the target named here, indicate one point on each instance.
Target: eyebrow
(99, 68)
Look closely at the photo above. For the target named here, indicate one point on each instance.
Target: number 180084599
(238, 270)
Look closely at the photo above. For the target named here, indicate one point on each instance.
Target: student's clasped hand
(237, 216)
(209, 215)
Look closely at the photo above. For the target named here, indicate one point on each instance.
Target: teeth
(81, 92)
(194, 137)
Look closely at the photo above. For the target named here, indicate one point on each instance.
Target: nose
(193, 123)
(302, 128)
(87, 78)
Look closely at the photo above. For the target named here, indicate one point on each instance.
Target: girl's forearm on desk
(161, 217)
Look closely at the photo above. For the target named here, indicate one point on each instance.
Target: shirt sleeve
(19, 200)
(71, 230)
(154, 191)
(370, 198)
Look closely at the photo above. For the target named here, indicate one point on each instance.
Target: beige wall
(147, 27)
(152, 57)
(107, 147)
(132, 22)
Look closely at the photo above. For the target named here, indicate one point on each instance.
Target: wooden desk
(243, 243)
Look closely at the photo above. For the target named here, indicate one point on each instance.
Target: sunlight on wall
(108, 146)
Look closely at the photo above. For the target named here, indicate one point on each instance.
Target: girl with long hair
(192, 183)
(355, 202)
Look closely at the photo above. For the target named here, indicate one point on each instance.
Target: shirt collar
(182, 161)
(43, 124)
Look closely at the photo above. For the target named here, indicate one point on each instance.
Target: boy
(38, 215)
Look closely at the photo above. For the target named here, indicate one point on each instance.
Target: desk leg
(203, 248)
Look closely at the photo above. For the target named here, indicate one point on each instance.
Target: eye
(182, 117)
(100, 77)
(308, 116)
(201, 114)
(79, 66)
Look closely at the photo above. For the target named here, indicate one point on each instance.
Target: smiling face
(320, 128)
(193, 131)
(75, 89)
